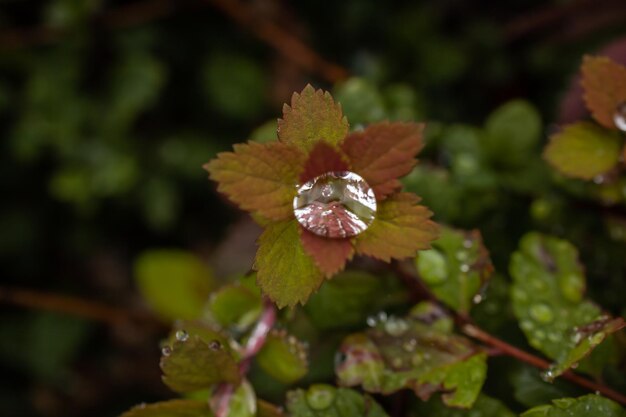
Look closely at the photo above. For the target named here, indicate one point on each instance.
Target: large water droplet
(335, 205)
(619, 118)
(541, 313)
(182, 335)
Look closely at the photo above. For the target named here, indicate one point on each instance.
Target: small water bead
(396, 327)
(409, 345)
(619, 118)
(371, 321)
(465, 268)
(541, 313)
(215, 345)
(468, 243)
(320, 396)
(166, 351)
(182, 335)
(335, 205)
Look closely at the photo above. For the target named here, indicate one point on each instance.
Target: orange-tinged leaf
(401, 228)
(384, 152)
(323, 158)
(312, 116)
(330, 255)
(583, 150)
(604, 82)
(260, 178)
(285, 273)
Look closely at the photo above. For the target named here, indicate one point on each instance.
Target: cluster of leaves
(382, 345)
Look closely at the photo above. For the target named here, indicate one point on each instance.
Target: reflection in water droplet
(335, 205)
(166, 351)
(182, 335)
(541, 313)
(619, 118)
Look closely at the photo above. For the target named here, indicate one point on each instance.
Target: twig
(473, 331)
(58, 303)
(284, 42)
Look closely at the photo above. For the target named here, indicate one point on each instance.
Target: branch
(473, 331)
(58, 303)
(284, 42)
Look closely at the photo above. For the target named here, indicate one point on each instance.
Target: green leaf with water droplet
(586, 406)
(323, 400)
(285, 272)
(547, 292)
(194, 364)
(456, 268)
(484, 406)
(283, 357)
(172, 408)
(414, 353)
(235, 306)
(174, 282)
(583, 150)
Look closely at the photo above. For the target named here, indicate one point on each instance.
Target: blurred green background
(108, 109)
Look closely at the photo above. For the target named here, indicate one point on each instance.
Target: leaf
(410, 353)
(243, 402)
(583, 150)
(171, 408)
(286, 274)
(194, 364)
(345, 300)
(384, 152)
(400, 229)
(512, 132)
(265, 409)
(529, 388)
(330, 255)
(259, 178)
(323, 158)
(175, 283)
(547, 292)
(312, 116)
(283, 357)
(235, 306)
(323, 400)
(484, 406)
(456, 268)
(604, 82)
(590, 405)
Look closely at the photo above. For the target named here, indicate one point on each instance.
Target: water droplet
(371, 321)
(477, 298)
(409, 345)
(468, 243)
(554, 337)
(526, 325)
(182, 336)
(396, 327)
(462, 256)
(417, 359)
(166, 351)
(432, 266)
(577, 336)
(548, 375)
(465, 268)
(397, 362)
(541, 313)
(320, 396)
(540, 334)
(382, 316)
(335, 205)
(619, 118)
(598, 179)
(215, 345)
(574, 365)
(141, 406)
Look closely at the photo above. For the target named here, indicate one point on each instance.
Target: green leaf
(529, 388)
(484, 406)
(235, 306)
(416, 352)
(547, 292)
(175, 283)
(172, 408)
(583, 150)
(285, 272)
(312, 116)
(346, 300)
(283, 357)
(456, 268)
(512, 132)
(192, 364)
(322, 400)
(243, 402)
(586, 406)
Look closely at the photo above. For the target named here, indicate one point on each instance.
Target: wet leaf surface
(326, 401)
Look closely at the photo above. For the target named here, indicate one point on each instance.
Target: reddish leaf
(322, 159)
(401, 228)
(285, 272)
(384, 152)
(330, 255)
(312, 116)
(604, 82)
(259, 177)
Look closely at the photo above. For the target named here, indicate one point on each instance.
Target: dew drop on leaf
(465, 268)
(320, 397)
(182, 336)
(215, 345)
(166, 351)
(541, 313)
(335, 205)
(396, 327)
(619, 118)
